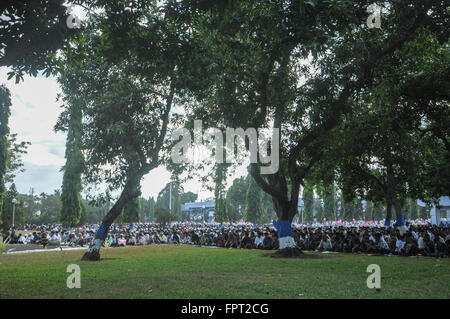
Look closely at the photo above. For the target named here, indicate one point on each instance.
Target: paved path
(30, 248)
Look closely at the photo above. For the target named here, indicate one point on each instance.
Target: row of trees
(365, 109)
(245, 200)
(46, 209)
(329, 205)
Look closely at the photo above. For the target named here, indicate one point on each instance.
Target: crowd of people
(419, 239)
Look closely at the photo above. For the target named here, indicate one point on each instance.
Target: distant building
(198, 212)
(438, 211)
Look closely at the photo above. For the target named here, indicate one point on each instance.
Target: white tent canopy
(444, 204)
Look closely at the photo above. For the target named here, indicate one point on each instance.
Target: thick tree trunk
(387, 222)
(130, 191)
(285, 212)
(400, 220)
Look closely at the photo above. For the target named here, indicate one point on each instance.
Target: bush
(4, 244)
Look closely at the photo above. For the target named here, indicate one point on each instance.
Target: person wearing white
(400, 245)
(259, 241)
(420, 243)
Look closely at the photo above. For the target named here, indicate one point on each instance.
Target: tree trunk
(285, 212)
(400, 220)
(387, 222)
(130, 191)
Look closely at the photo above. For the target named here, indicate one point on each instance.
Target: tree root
(93, 255)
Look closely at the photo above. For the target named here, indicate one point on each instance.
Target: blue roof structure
(198, 205)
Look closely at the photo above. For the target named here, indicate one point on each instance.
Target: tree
(267, 204)
(31, 33)
(131, 211)
(172, 191)
(147, 209)
(8, 206)
(152, 206)
(329, 206)
(5, 104)
(188, 197)
(308, 203)
(253, 52)
(50, 207)
(220, 213)
(71, 187)
(253, 209)
(318, 208)
(95, 212)
(404, 151)
(235, 198)
(348, 210)
(164, 216)
(128, 88)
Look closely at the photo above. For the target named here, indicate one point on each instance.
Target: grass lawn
(191, 272)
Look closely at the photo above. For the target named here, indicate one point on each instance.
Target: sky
(34, 113)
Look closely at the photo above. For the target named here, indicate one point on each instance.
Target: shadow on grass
(296, 253)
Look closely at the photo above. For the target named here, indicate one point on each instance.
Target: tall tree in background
(8, 206)
(130, 213)
(14, 163)
(235, 198)
(5, 104)
(253, 211)
(169, 198)
(71, 210)
(318, 208)
(220, 209)
(329, 205)
(308, 203)
(348, 209)
(147, 209)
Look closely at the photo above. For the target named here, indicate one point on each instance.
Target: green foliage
(83, 216)
(50, 207)
(164, 216)
(349, 210)
(4, 243)
(253, 210)
(220, 213)
(147, 208)
(318, 208)
(8, 206)
(308, 203)
(31, 33)
(163, 199)
(5, 112)
(188, 197)
(95, 211)
(329, 205)
(71, 211)
(130, 213)
(235, 198)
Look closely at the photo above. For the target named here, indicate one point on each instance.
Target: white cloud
(34, 114)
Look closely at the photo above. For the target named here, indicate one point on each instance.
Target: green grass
(190, 272)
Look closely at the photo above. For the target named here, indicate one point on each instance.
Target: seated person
(267, 242)
(325, 244)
